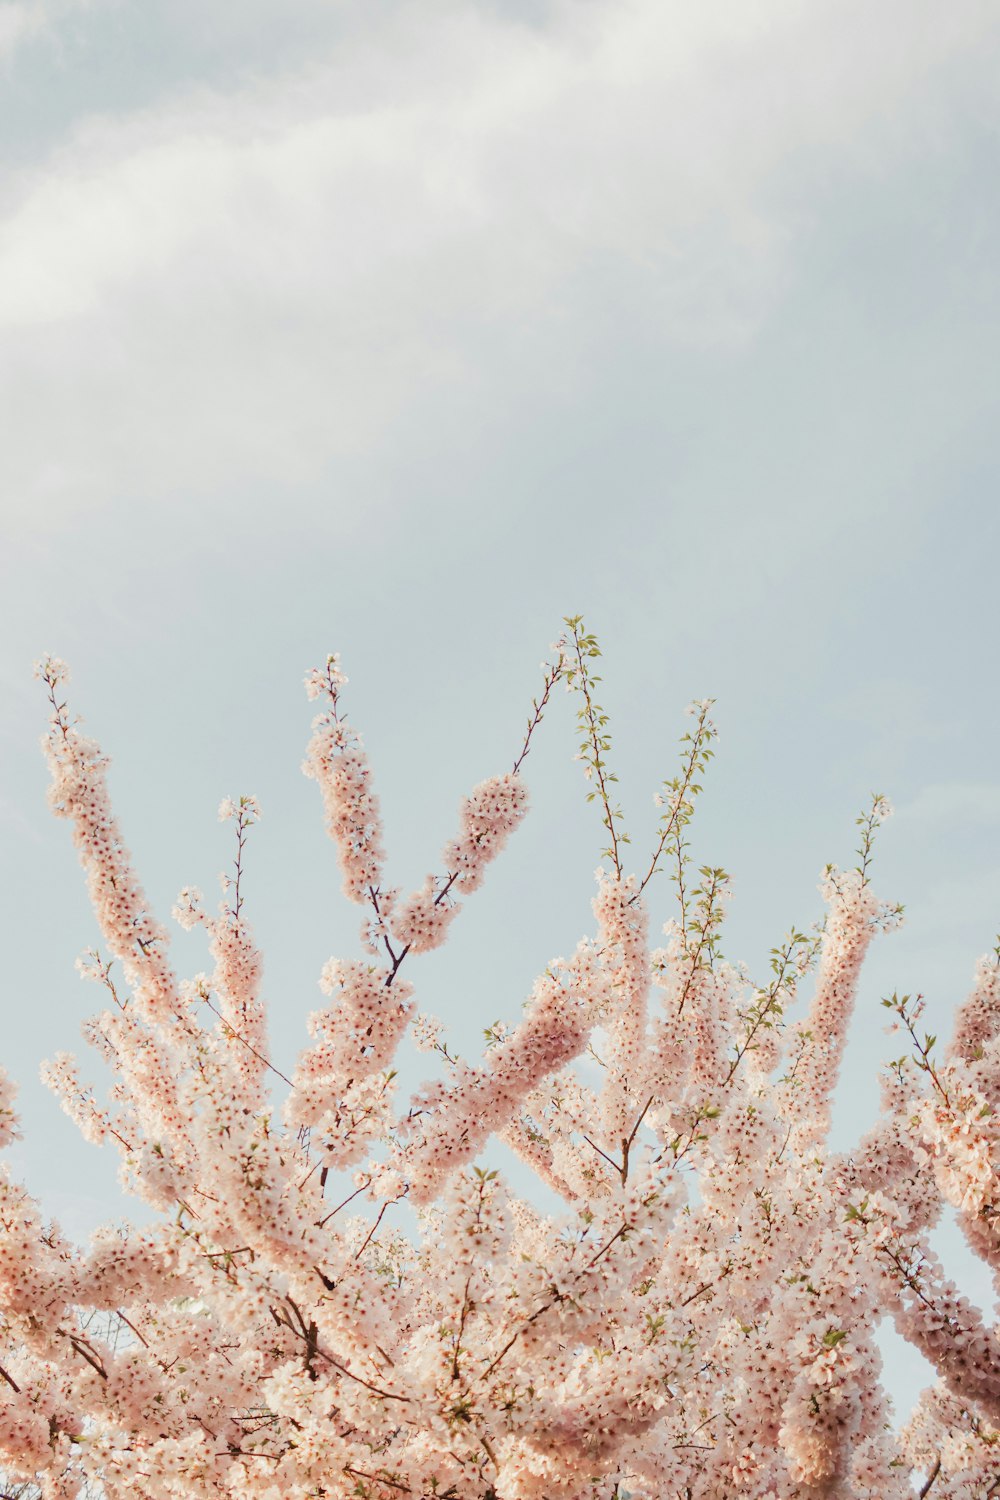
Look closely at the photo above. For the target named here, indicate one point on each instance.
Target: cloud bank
(267, 266)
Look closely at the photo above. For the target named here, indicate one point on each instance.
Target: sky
(405, 330)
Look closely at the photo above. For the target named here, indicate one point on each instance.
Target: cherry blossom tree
(340, 1296)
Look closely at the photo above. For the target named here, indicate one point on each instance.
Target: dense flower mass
(686, 1308)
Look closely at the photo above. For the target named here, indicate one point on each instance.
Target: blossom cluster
(686, 1306)
(336, 759)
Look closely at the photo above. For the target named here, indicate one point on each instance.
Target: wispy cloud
(18, 22)
(254, 276)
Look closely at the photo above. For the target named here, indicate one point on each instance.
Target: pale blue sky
(403, 331)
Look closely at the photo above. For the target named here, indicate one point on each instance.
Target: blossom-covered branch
(684, 1305)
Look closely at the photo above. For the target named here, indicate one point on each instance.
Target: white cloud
(18, 22)
(247, 280)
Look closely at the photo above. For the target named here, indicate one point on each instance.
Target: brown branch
(371, 1231)
(129, 1324)
(322, 1223)
(393, 1484)
(551, 678)
(926, 1486)
(609, 1159)
(249, 1045)
(86, 1351)
(629, 1140)
(317, 1349)
(553, 1302)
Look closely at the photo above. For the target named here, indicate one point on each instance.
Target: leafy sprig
(595, 737)
(788, 963)
(677, 798)
(909, 1009)
(701, 924)
(868, 823)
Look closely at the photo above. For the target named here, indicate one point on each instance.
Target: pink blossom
(340, 1294)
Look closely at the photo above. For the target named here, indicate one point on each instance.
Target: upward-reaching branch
(677, 796)
(595, 742)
